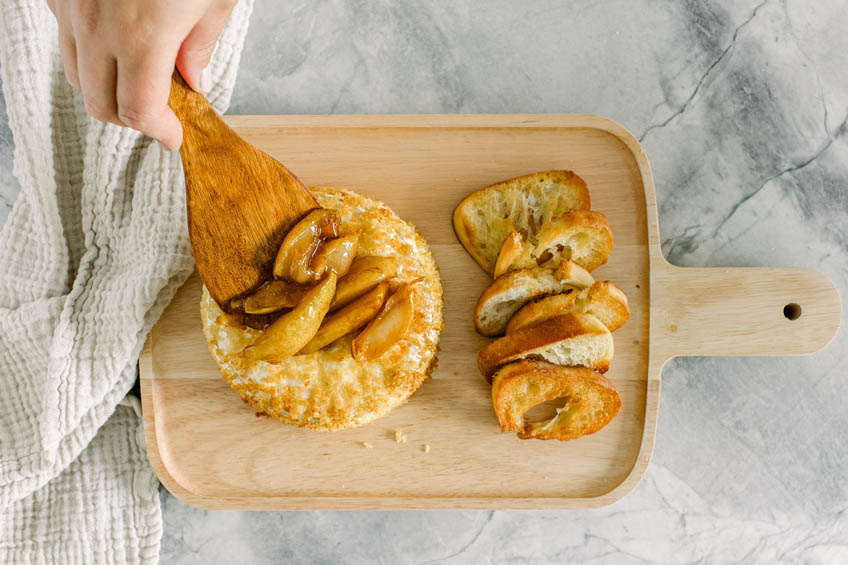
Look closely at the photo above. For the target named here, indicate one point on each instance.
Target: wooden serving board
(210, 450)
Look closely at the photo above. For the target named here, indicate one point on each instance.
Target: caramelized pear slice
(359, 280)
(373, 262)
(294, 329)
(294, 259)
(351, 317)
(389, 327)
(273, 296)
(337, 255)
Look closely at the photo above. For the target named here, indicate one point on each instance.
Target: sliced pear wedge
(273, 296)
(373, 262)
(337, 255)
(294, 329)
(294, 259)
(360, 280)
(389, 327)
(350, 318)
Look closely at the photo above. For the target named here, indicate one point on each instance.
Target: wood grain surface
(210, 450)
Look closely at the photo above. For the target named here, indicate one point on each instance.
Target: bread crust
(525, 285)
(527, 341)
(592, 399)
(603, 300)
(566, 186)
(511, 249)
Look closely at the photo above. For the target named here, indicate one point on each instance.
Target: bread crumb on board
(400, 437)
(426, 448)
(366, 445)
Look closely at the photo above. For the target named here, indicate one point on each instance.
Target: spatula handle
(742, 311)
(192, 108)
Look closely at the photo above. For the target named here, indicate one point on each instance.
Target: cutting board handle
(742, 311)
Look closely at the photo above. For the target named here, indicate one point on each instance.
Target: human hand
(121, 55)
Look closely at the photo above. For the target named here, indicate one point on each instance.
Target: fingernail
(206, 80)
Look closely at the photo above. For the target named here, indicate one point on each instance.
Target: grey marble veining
(741, 107)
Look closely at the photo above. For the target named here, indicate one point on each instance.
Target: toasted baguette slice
(591, 401)
(484, 219)
(603, 300)
(510, 254)
(511, 291)
(579, 340)
(583, 236)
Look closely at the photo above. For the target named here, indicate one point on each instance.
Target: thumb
(196, 50)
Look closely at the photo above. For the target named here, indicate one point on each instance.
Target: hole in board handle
(792, 311)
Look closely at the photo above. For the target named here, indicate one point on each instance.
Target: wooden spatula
(240, 201)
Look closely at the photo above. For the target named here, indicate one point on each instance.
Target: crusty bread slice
(591, 400)
(523, 204)
(583, 236)
(603, 300)
(511, 250)
(511, 291)
(579, 340)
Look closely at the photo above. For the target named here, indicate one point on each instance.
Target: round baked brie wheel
(329, 389)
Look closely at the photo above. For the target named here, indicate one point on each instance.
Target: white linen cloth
(94, 249)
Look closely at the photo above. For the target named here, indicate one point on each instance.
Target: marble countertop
(741, 107)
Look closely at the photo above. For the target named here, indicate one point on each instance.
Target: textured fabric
(93, 250)
(70, 521)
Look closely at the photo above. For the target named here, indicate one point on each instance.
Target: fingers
(131, 92)
(143, 86)
(122, 57)
(197, 48)
(98, 75)
(68, 50)
(67, 46)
